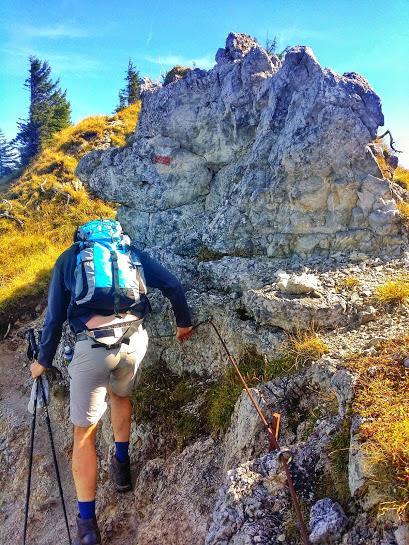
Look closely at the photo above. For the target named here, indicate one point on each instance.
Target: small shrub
(395, 291)
(333, 482)
(339, 447)
(163, 399)
(222, 399)
(223, 395)
(327, 405)
(177, 72)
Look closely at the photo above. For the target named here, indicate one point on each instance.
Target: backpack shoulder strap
(136, 262)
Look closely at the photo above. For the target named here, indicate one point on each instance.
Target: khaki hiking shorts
(93, 370)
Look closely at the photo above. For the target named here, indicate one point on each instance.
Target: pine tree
(130, 93)
(8, 156)
(49, 110)
(271, 47)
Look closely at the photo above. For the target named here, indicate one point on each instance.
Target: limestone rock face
(256, 156)
(327, 522)
(269, 306)
(240, 515)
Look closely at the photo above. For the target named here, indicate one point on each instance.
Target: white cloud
(205, 62)
(60, 63)
(51, 32)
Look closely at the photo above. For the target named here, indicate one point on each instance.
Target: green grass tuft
(163, 398)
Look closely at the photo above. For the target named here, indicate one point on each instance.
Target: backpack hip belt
(124, 339)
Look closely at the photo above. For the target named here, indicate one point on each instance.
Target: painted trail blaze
(162, 159)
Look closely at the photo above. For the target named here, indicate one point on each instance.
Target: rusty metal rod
(274, 444)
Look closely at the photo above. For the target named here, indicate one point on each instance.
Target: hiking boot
(88, 532)
(121, 474)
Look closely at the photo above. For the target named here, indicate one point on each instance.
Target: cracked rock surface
(256, 156)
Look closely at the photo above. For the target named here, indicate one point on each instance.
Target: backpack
(108, 274)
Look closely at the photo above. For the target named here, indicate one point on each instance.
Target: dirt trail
(46, 521)
(164, 504)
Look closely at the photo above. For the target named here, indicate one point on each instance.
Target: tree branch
(8, 216)
(391, 142)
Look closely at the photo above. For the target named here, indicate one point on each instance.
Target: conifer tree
(49, 110)
(130, 93)
(271, 47)
(8, 156)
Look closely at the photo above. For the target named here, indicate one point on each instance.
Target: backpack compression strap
(115, 281)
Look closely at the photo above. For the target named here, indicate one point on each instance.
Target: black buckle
(109, 346)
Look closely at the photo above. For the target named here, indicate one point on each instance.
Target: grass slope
(48, 202)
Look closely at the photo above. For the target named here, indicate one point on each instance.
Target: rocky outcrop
(256, 156)
(256, 184)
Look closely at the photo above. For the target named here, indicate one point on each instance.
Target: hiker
(99, 285)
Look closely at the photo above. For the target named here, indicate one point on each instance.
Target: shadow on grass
(22, 302)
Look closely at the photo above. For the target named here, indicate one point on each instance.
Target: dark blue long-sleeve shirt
(61, 306)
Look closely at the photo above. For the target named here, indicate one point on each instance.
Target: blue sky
(88, 43)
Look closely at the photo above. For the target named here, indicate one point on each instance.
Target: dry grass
(382, 160)
(403, 208)
(401, 177)
(305, 347)
(393, 291)
(51, 202)
(383, 165)
(382, 400)
(348, 283)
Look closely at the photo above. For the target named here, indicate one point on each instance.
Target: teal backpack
(108, 274)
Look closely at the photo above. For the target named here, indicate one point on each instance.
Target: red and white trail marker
(162, 159)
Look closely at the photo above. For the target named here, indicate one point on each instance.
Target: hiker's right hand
(36, 369)
(183, 333)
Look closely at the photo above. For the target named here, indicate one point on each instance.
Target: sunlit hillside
(39, 212)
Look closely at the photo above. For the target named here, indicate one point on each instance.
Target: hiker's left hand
(183, 333)
(36, 369)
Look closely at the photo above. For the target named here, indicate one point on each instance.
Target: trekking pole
(30, 466)
(57, 471)
(32, 353)
(284, 455)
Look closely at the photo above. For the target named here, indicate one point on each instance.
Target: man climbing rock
(99, 285)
